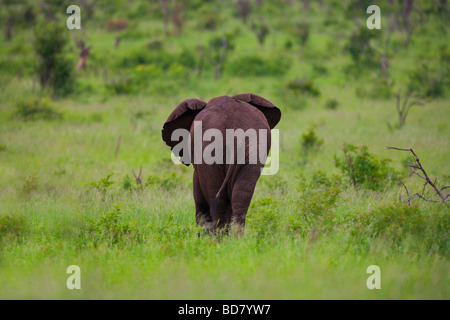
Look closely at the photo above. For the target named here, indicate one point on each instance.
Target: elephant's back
(227, 113)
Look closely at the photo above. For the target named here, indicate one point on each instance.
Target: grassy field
(68, 195)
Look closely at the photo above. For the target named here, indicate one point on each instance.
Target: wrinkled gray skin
(222, 192)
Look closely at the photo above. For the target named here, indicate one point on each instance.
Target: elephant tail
(225, 182)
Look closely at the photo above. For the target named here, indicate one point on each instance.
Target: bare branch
(418, 166)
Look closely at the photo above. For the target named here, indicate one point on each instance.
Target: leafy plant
(36, 108)
(54, 69)
(253, 65)
(303, 86)
(12, 228)
(263, 217)
(314, 203)
(110, 229)
(401, 226)
(103, 184)
(331, 104)
(310, 141)
(364, 169)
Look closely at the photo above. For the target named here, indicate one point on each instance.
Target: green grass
(303, 240)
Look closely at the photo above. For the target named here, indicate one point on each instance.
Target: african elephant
(223, 188)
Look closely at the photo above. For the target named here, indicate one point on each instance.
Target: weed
(331, 104)
(30, 184)
(12, 228)
(315, 203)
(263, 217)
(303, 86)
(110, 229)
(310, 141)
(103, 184)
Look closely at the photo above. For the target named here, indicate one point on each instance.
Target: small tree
(53, 68)
(217, 54)
(261, 31)
(244, 8)
(404, 104)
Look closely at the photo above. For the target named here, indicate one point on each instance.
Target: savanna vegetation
(86, 179)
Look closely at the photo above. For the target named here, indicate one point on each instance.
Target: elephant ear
(181, 118)
(270, 111)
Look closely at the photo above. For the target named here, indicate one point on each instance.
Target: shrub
(360, 49)
(12, 228)
(167, 183)
(110, 229)
(310, 141)
(364, 169)
(303, 86)
(404, 227)
(30, 184)
(103, 184)
(54, 69)
(263, 217)
(314, 203)
(301, 33)
(253, 65)
(427, 81)
(208, 22)
(331, 104)
(36, 109)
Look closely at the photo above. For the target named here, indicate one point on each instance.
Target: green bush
(427, 81)
(364, 169)
(36, 108)
(54, 69)
(302, 86)
(253, 65)
(12, 228)
(263, 217)
(331, 104)
(310, 141)
(110, 229)
(404, 227)
(314, 205)
(166, 183)
(103, 184)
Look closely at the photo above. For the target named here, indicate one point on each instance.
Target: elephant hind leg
(202, 214)
(242, 194)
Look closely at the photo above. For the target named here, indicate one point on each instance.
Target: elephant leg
(210, 179)
(242, 193)
(202, 214)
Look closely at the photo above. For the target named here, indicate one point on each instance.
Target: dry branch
(418, 166)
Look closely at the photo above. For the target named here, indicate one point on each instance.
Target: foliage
(331, 104)
(110, 229)
(404, 226)
(303, 86)
(54, 69)
(103, 184)
(310, 141)
(364, 169)
(263, 217)
(36, 108)
(314, 205)
(427, 81)
(253, 65)
(13, 228)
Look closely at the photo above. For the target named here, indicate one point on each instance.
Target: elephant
(223, 189)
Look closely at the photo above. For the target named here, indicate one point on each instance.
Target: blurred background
(290, 49)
